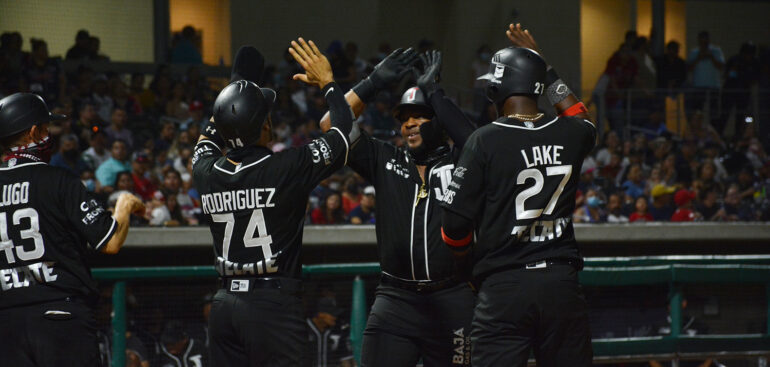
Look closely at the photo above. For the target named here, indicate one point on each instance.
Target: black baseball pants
(532, 310)
(51, 334)
(405, 326)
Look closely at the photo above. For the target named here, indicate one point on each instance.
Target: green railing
(674, 271)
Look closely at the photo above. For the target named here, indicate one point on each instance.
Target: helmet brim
(270, 96)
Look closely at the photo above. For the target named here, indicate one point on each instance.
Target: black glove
(432, 134)
(388, 71)
(428, 81)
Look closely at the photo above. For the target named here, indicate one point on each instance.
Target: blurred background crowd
(135, 132)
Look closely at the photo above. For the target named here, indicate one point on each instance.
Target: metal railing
(674, 271)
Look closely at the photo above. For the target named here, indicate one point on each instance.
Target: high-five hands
(521, 37)
(428, 81)
(318, 71)
(394, 67)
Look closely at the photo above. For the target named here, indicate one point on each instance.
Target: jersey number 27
(537, 175)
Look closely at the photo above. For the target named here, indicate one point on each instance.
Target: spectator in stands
(351, 196)
(93, 50)
(166, 137)
(165, 211)
(672, 70)
(741, 74)
(634, 184)
(13, 59)
(669, 172)
(196, 116)
(118, 162)
(661, 209)
(330, 211)
(143, 186)
(97, 153)
(118, 130)
(708, 206)
(706, 62)
(364, 212)
(88, 179)
(615, 210)
(88, 122)
(177, 349)
(706, 178)
(733, 209)
(185, 50)
(591, 211)
(611, 145)
(43, 75)
(101, 97)
(640, 213)
(82, 47)
(329, 341)
(177, 107)
(68, 156)
(172, 184)
(684, 212)
(124, 100)
(621, 70)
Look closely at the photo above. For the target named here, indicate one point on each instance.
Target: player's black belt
(419, 286)
(544, 263)
(249, 284)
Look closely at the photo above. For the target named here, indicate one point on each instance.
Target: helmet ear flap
(491, 92)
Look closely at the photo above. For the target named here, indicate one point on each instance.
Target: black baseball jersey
(257, 207)
(408, 225)
(517, 181)
(194, 355)
(48, 222)
(328, 348)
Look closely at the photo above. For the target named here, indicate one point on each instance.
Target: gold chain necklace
(525, 117)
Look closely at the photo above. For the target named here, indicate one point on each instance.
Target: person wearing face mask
(69, 156)
(591, 211)
(422, 305)
(49, 223)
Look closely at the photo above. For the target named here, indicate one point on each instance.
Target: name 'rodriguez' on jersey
(228, 201)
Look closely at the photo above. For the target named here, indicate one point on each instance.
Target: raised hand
(394, 67)
(521, 37)
(428, 81)
(318, 71)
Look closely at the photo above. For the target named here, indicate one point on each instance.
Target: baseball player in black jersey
(255, 200)
(48, 224)
(515, 184)
(422, 310)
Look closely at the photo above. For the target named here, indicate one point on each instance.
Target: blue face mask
(90, 185)
(594, 202)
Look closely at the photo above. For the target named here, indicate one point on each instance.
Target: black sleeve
(318, 159)
(458, 126)
(364, 155)
(465, 193)
(205, 154)
(87, 217)
(455, 226)
(340, 114)
(589, 134)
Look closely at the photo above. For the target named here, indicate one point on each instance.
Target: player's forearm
(458, 126)
(562, 98)
(457, 232)
(340, 114)
(122, 219)
(356, 105)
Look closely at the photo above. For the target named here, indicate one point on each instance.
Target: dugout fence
(670, 278)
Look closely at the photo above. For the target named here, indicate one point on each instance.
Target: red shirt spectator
(683, 199)
(641, 214)
(330, 212)
(142, 185)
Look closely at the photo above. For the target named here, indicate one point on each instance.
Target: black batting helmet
(240, 110)
(20, 111)
(412, 98)
(515, 70)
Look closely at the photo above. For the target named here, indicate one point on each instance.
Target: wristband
(456, 243)
(575, 110)
(365, 90)
(551, 76)
(210, 132)
(556, 90)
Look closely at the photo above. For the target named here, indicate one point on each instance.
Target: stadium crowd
(133, 133)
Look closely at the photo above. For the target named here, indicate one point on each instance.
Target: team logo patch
(239, 285)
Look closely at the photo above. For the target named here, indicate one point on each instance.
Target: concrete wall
(124, 27)
(730, 23)
(457, 27)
